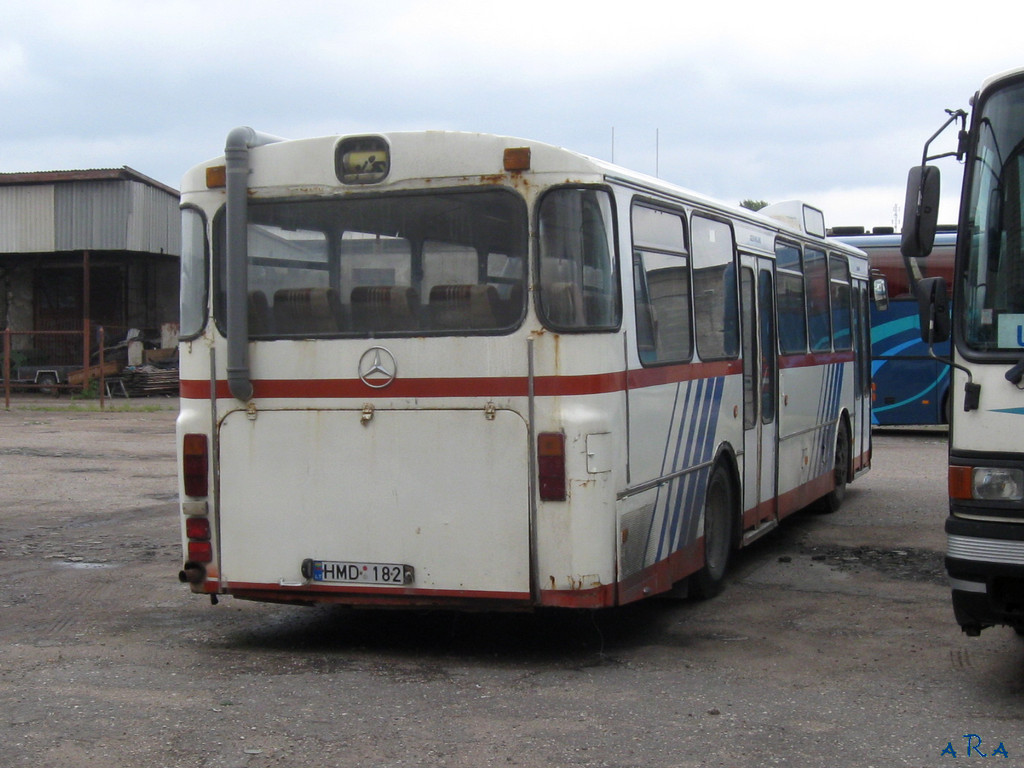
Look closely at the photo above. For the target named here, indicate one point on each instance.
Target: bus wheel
(831, 501)
(718, 522)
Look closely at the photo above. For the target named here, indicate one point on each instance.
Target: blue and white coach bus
(910, 384)
(985, 526)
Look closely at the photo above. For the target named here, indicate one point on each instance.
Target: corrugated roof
(101, 209)
(123, 173)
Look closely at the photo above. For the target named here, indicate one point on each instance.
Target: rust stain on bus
(586, 581)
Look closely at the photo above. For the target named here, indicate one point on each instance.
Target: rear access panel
(410, 502)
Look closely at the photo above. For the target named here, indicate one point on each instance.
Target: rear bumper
(312, 594)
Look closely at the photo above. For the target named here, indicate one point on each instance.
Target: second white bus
(462, 370)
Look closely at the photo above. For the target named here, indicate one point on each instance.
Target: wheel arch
(846, 421)
(727, 458)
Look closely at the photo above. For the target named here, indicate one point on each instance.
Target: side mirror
(880, 292)
(933, 307)
(920, 211)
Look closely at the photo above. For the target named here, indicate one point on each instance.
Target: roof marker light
(216, 177)
(517, 158)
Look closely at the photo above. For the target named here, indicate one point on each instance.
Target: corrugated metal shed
(95, 210)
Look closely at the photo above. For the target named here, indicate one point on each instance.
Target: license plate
(345, 572)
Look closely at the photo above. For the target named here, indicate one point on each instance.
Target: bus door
(760, 396)
(862, 376)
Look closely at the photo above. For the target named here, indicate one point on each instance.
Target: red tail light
(200, 552)
(200, 549)
(551, 466)
(197, 528)
(195, 465)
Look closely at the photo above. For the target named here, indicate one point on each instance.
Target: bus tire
(832, 500)
(719, 511)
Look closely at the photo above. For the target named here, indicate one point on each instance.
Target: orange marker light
(961, 482)
(517, 159)
(216, 177)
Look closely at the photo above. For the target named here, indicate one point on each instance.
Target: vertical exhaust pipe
(236, 161)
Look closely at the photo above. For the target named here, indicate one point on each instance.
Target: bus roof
(997, 79)
(870, 240)
(431, 158)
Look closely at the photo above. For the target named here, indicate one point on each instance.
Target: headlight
(997, 484)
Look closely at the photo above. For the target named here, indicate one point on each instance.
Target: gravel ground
(833, 644)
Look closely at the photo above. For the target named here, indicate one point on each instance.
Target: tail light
(200, 549)
(197, 528)
(195, 465)
(200, 552)
(551, 466)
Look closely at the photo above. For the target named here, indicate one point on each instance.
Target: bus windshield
(992, 279)
(420, 264)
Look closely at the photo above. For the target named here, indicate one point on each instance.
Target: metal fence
(56, 362)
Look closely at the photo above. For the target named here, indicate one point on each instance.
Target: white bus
(985, 526)
(462, 370)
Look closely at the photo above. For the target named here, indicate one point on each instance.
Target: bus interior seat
(563, 304)
(384, 308)
(464, 306)
(511, 309)
(307, 310)
(260, 320)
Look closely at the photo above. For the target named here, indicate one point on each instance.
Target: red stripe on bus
(498, 386)
(671, 374)
(602, 596)
(815, 358)
(326, 593)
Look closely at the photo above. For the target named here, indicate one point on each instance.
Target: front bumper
(985, 563)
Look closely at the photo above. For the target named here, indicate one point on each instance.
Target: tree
(753, 205)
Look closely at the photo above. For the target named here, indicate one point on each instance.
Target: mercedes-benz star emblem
(377, 367)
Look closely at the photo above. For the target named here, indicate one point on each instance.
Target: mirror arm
(972, 391)
(954, 115)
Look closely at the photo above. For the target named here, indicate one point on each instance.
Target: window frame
(728, 353)
(638, 248)
(838, 261)
(789, 273)
(825, 288)
(614, 262)
(199, 300)
(518, 225)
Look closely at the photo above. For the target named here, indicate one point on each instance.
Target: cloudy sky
(770, 100)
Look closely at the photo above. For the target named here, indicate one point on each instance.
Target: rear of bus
(361, 374)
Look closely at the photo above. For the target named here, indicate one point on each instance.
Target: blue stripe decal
(692, 442)
(1014, 411)
(671, 491)
(694, 448)
(828, 413)
(916, 396)
(697, 482)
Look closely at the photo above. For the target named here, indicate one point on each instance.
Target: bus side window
(578, 279)
(714, 289)
(661, 280)
(789, 288)
(839, 289)
(816, 284)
